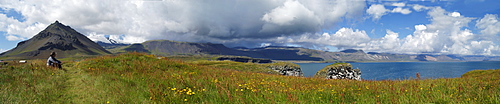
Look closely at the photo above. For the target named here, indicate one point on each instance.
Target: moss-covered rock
(339, 71)
(286, 68)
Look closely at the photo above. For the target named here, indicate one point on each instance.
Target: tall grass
(142, 78)
(32, 83)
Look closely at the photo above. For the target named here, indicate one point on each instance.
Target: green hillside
(142, 78)
(129, 48)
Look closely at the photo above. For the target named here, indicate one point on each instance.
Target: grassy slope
(139, 78)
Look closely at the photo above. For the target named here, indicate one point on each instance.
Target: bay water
(407, 70)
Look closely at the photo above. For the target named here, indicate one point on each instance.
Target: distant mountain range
(55, 38)
(170, 48)
(69, 43)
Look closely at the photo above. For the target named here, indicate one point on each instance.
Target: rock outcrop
(339, 71)
(288, 69)
(244, 59)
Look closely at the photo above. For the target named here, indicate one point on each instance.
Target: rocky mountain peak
(56, 29)
(57, 25)
(56, 37)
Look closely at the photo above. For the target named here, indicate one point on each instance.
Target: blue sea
(407, 70)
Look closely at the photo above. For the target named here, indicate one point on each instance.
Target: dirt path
(86, 87)
(82, 86)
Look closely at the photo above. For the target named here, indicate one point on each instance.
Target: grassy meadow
(143, 78)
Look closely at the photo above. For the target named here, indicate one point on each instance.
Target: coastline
(302, 61)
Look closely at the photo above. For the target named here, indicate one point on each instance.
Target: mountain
(111, 45)
(59, 38)
(129, 48)
(352, 51)
(169, 48)
(282, 53)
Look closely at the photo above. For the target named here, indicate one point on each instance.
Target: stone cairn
(340, 71)
(344, 73)
(287, 70)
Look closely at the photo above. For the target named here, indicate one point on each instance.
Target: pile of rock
(288, 69)
(339, 71)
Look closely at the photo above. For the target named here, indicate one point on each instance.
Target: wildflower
(107, 102)
(216, 81)
(185, 99)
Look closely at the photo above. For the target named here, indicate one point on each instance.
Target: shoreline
(299, 61)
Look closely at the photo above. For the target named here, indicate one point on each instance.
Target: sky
(466, 27)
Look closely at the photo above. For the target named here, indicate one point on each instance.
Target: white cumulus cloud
(290, 11)
(288, 16)
(489, 26)
(419, 8)
(421, 41)
(377, 11)
(454, 14)
(443, 35)
(485, 47)
(399, 4)
(389, 43)
(401, 10)
(446, 34)
(344, 38)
